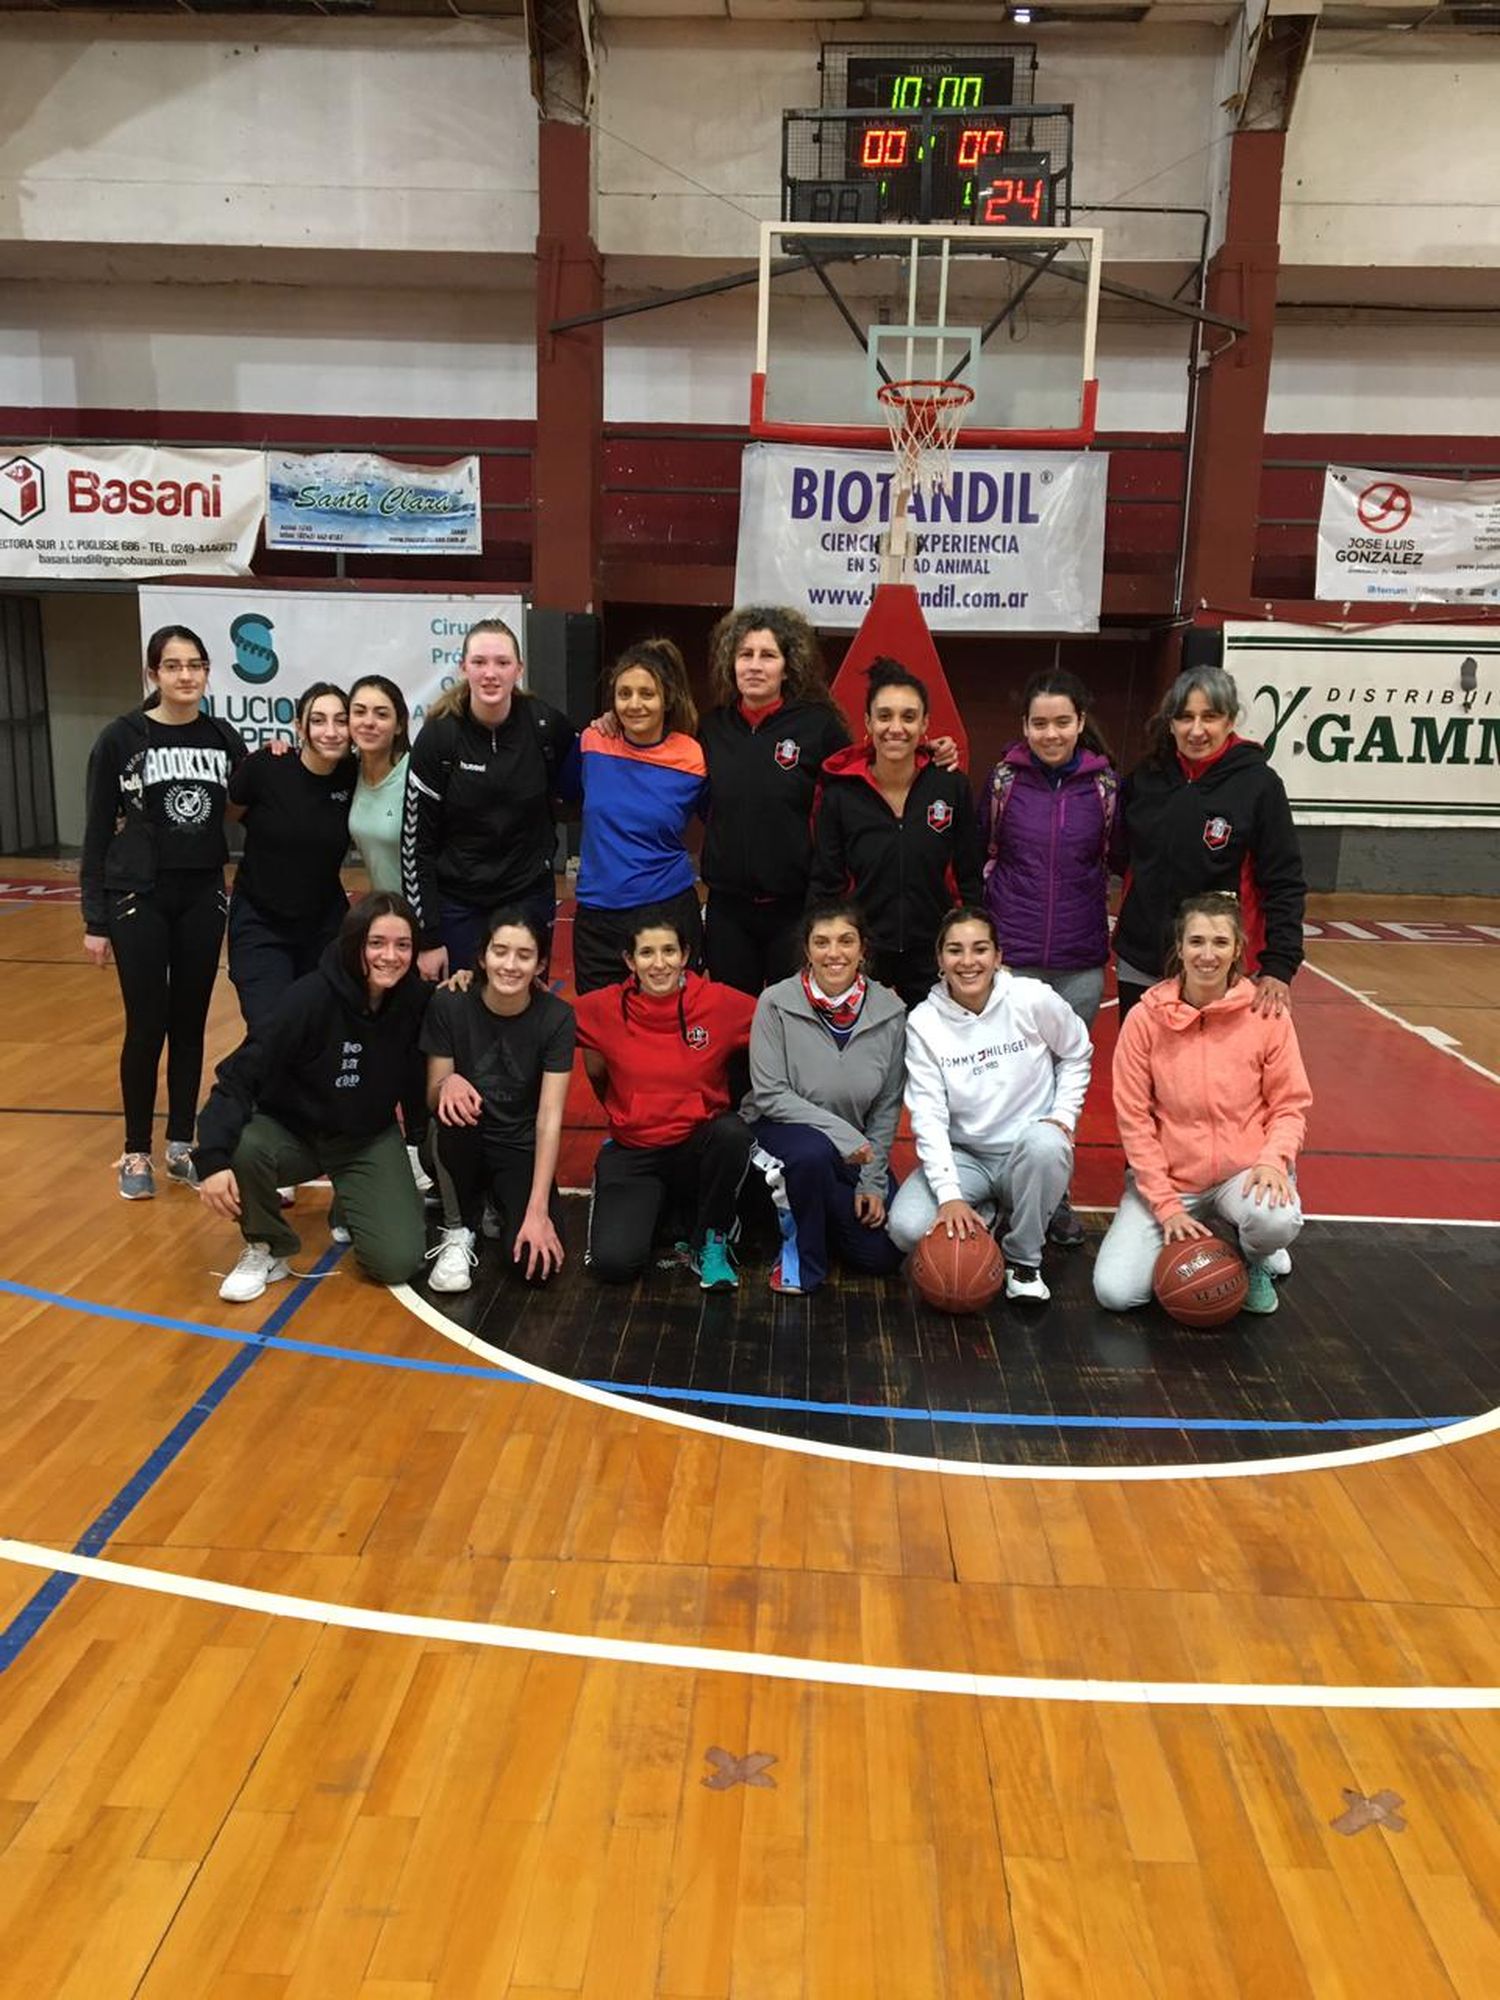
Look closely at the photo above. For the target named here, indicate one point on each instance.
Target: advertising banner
(122, 511)
(357, 501)
(266, 646)
(1015, 543)
(1391, 538)
(1379, 727)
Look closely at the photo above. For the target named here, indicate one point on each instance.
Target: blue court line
(34, 1614)
(265, 1337)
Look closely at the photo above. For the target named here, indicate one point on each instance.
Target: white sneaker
(452, 1258)
(1025, 1281)
(419, 1173)
(1278, 1264)
(256, 1269)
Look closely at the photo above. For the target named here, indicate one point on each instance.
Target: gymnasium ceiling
(969, 18)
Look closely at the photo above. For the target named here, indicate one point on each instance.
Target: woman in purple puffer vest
(1046, 813)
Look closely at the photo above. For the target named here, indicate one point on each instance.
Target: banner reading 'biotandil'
(130, 510)
(1377, 727)
(1015, 543)
(358, 502)
(1389, 538)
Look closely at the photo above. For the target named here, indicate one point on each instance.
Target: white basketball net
(925, 419)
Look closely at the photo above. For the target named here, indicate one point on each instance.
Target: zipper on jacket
(1058, 809)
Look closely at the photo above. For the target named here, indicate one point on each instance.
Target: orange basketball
(1201, 1281)
(957, 1274)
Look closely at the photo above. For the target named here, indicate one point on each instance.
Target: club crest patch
(1216, 832)
(788, 753)
(940, 815)
(697, 1038)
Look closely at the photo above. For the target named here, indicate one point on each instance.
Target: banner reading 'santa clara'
(127, 511)
(355, 500)
(1015, 542)
(1389, 538)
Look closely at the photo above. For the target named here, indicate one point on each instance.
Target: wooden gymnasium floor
(637, 1644)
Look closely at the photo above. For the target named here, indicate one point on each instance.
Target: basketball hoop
(925, 419)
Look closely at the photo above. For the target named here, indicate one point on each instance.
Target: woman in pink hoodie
(1211, 1099)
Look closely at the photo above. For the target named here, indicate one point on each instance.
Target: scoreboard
(924, 135)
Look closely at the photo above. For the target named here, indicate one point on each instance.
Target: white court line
(768, 1666)
(1411, 1027)
(960, 1468)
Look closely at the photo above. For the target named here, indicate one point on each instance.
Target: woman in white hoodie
(996, 1072)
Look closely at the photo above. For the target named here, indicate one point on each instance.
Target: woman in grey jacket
(826, 1074)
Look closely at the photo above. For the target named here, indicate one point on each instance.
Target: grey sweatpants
(1127, 1256)
(1027, 1178)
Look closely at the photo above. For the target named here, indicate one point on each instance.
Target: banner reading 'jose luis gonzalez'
(360, 503)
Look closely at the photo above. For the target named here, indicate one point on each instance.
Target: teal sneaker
(1260, 1295)
(715, 1271)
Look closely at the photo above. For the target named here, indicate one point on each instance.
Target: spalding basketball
(1200, 1281)
(957, 1274)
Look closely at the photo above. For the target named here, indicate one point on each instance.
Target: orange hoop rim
(943, 395)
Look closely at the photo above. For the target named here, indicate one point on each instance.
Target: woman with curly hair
(772, 726)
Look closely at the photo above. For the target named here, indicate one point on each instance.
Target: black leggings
(477, 1166)
(701, 1174)
(166, 945)
(751, 944)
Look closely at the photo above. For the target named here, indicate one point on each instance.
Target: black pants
(601, 936)
(475, 1165)
(1129, 995)
(702, 1173)
(166, 945)
(266, 954)
(749, 943)
(911, 973)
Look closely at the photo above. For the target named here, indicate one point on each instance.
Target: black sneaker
(1065, 1230)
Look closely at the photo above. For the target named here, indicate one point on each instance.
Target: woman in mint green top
(379, 726)
(380, 732)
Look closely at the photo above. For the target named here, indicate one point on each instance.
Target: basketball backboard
(846, 308)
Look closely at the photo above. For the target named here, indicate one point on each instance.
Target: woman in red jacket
(1211, 1099)
(657, 1049)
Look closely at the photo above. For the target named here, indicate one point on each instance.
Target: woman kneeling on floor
(657, 1050)
(996, 1071)
(315, 1091)
(498, 1061)
(1211, 1099)
(827, 1065)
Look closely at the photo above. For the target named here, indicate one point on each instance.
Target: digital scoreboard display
(959, 166)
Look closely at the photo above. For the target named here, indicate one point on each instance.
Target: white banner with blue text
(1013, 543)
(266, 646)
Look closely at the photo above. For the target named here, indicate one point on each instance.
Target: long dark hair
(1068, 687)
(805, 678)
(157, 644)
(354, 931)
(401, 742)
(885, 672)
(661, 659)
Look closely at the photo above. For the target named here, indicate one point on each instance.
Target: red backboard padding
(894, 626)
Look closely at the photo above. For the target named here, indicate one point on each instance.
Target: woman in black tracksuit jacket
(152, 881)
(765, 742)
(478, 830)
(1204, 811)
(314, 1091)
(897, 834)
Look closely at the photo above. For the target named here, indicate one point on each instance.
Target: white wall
(399, 135)
(386, 353)
(689, 154)
(1394, 153)
(1440, 378)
